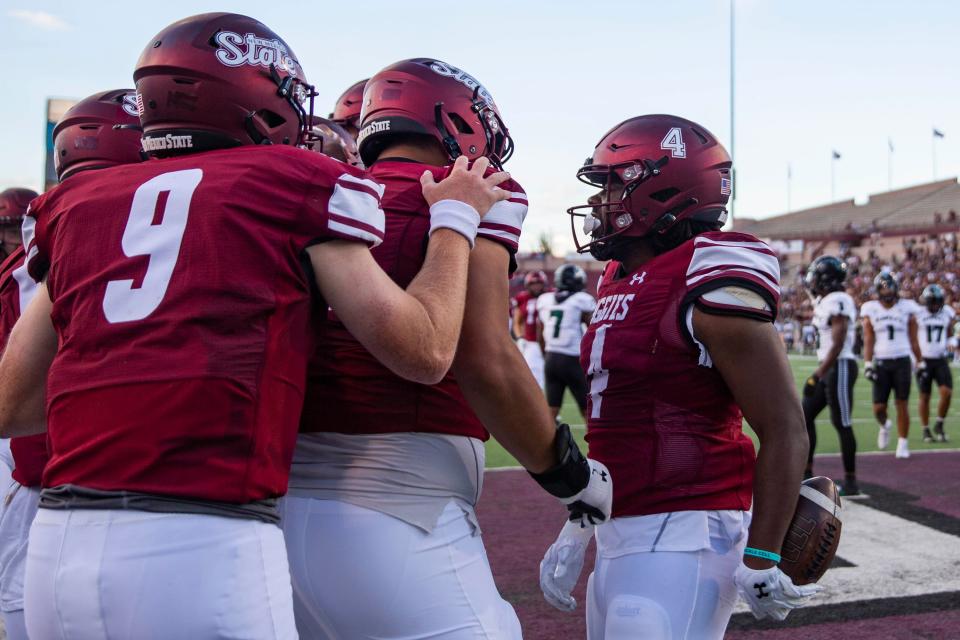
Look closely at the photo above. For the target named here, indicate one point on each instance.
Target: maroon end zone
(519, 522)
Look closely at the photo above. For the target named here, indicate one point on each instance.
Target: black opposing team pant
(836, 391)
(561, 372)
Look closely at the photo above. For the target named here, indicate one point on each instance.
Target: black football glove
(869, 372)
(923, 374)
(810, 387)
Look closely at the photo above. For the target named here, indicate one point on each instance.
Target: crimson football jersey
(659, 416)
(181, 298)
(16, 291)
(349, 391)
(527, 303)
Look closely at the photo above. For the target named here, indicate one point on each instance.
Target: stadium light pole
(834, 156)
(733, 174)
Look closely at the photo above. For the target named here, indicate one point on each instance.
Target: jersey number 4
(159, 241)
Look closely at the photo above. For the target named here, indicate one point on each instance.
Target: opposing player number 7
(122, 302)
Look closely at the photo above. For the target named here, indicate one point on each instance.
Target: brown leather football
(814, 534)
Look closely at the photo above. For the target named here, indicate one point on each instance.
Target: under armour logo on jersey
(638, 278)
(759, 587)
(603, 474)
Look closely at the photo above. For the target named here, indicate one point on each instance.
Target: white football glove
(770, 592)
(561, 565)
(595, 502)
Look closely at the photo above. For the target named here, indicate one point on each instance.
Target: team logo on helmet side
(463, 78)
(129, 104)
(259, 52)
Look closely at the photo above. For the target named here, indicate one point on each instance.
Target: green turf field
(864, 424)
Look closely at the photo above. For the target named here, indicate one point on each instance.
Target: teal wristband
(760, 553)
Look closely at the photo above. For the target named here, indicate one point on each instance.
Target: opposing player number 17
(122, 302)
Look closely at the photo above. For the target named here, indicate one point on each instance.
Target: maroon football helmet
(220, 80)
(346, 112)
(97, 132)
(534, 277)
(13, 206)
(332, 139)
(660, 169)
(428, 97)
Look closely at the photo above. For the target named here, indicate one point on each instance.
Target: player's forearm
(440, 290)
(777, 477)
(867, 346)
(502, 392)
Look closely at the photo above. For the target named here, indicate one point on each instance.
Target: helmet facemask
(498, 146)
(609, 214)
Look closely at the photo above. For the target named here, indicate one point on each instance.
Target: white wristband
(455, 215)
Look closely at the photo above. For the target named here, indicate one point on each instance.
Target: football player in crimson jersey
(189, 319)
(680, 349)
(525, 321)
(98, 132)
(386, 472)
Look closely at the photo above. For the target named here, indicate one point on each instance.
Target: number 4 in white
(597, 374)
(160, 242)
(673, 142)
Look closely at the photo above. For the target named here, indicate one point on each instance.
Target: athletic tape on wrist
(455, 215)
(760, 553)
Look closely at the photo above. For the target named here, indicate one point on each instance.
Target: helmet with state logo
(219, 80)
(427, 97)
(100, 131)
(655, 171)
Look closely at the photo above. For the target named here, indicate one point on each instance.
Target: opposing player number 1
(160, 242)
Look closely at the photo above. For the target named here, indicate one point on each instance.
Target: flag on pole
(937, 133)
(836, 154)
(890, 144)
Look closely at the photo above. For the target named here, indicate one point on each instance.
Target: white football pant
(664, 595)
(534, 357)
(360, 574)
(15, 520)
(134, 575)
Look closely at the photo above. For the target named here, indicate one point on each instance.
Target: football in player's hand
(814, 533)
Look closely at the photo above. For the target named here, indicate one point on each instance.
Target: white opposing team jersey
(932, 329)
(562, 321)
(891, 327)
(835, 303)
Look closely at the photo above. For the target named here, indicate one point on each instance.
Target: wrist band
(760, 553)
(457, 216)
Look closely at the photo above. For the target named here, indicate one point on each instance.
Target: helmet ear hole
(271, 118)
(665, 194)
(460, 123)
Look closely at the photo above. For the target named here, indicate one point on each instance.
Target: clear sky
(811, 77)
